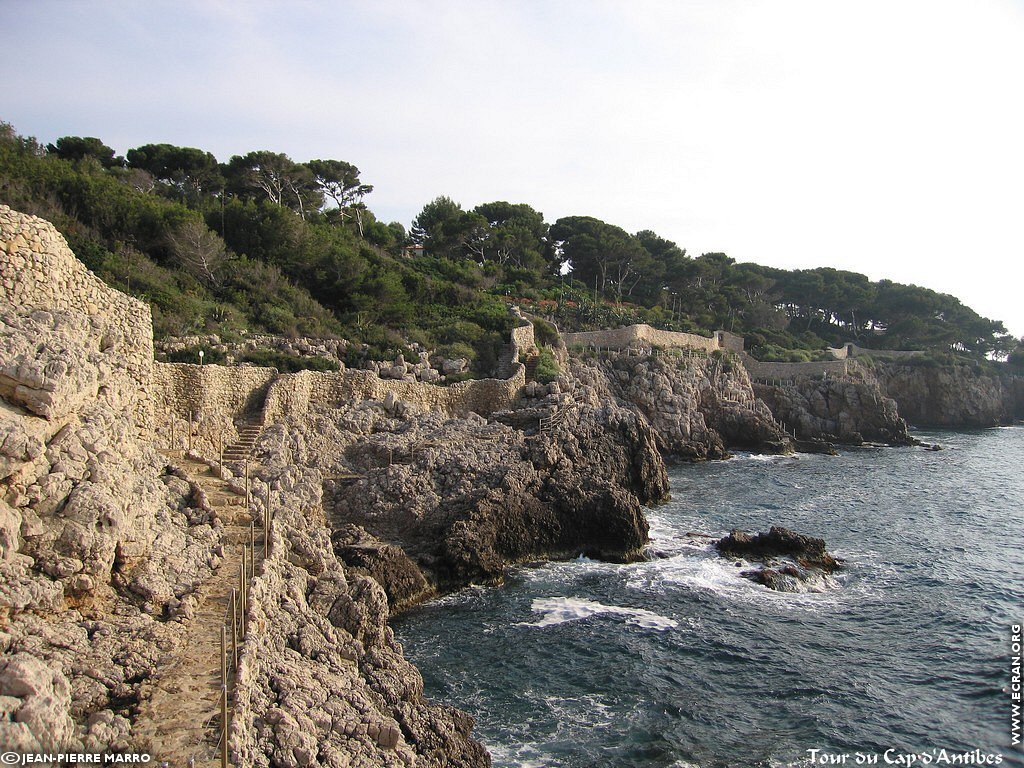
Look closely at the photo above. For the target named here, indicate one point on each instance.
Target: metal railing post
(224, 696)
(234, 627)
(266, 526)
(241, 596)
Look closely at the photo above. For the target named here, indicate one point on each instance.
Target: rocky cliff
(697, 405)
(952, 396)
(459, 499)
(101, 547)
(322, 680)
(114, 564)
(847, 409)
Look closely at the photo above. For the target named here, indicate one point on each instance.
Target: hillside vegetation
(264, 243)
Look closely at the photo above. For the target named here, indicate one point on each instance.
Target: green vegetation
(191, 355)
(547, 369)
(265, 243)
(286, 363)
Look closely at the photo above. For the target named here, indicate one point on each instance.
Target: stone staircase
(531, 367)
(179, 712)
(503, 366)
(248, 433)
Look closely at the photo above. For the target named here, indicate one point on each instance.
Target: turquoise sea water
(679, 661)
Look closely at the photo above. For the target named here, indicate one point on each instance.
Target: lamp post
(202, 354)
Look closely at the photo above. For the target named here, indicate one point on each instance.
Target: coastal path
(180, 711)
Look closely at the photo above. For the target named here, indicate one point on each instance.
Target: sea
(905, 657)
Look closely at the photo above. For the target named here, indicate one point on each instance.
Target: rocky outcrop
(464, 498)
(789, 561)
(388, 565)
(38, 272)
(104, 549)
(322, 680)
(848, 409)
(101, 550)
(952, 396)
(697, 406)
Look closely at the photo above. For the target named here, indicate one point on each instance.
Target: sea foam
(559, 610)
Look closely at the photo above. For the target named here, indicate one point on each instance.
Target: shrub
(191, 355)
(544, 332)
(547, 367)
(269, 358)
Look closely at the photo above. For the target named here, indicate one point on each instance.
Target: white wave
(767, 457)
(520, 756)
(721, 577)
(558, 610)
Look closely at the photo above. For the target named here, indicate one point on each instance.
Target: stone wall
(852, 350)
(523, 338)
(644, 335)
(767, 371)
(296, 394)
(38, 271)
(730, 341)
(212, 398)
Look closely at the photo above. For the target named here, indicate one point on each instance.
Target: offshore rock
(778, 542)
(791, 562)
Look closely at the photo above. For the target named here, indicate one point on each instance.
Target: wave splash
(559, 610)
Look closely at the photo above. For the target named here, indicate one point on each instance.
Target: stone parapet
(645, 336)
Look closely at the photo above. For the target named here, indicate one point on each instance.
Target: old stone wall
(523, 338)
(731, 341)
(208, 400)
(766, 371)
(852, 350)
(643, 335)
(297, 394)
(38, 271)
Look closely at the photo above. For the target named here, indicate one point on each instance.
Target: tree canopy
(264, 241)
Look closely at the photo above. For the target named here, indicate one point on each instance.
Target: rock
(41, 719)
(695, 408)
(778, 542)
(952, 396)
(453, 367)
(838, 409)
(402, 580)
(815, 446)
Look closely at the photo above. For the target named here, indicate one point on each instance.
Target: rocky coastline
(117, 546)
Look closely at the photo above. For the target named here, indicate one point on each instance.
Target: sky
(883, 137)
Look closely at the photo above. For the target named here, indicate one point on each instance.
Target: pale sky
(880, 136)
